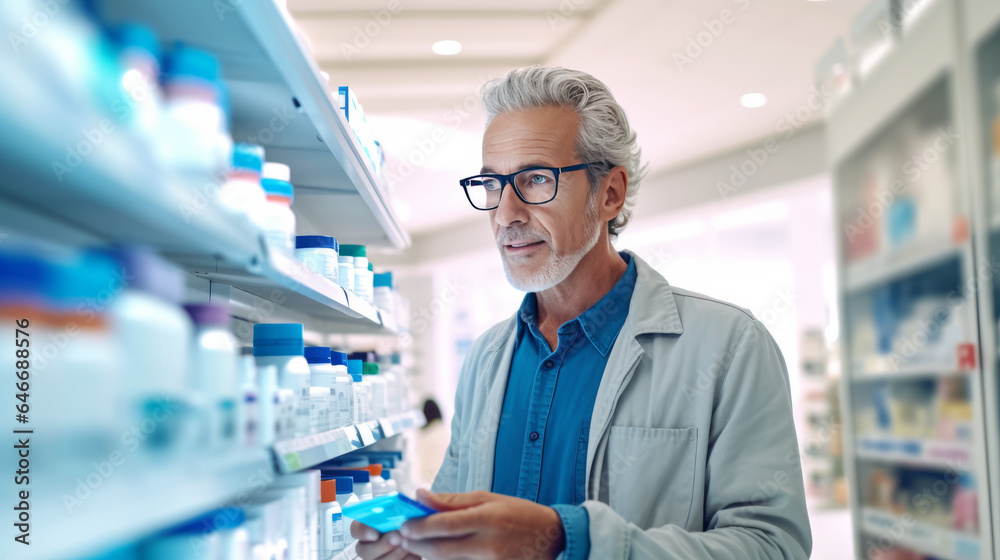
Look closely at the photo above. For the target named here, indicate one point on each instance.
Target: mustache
(510, 234)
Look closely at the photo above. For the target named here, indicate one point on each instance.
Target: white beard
(559, 267)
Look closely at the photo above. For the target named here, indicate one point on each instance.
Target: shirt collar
(602, 322)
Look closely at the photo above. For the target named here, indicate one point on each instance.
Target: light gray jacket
(692, 451)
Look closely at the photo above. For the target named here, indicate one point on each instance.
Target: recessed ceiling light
(447, 48)
(753, 100)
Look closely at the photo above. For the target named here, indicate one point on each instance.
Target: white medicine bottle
(242, 193)
(214, 379)
(360, 391)
(278, 220)
(343, 387)
(323, 376)
(333, 529)
(378, 389)
(155, 336)
(281, 345)
(345, 491)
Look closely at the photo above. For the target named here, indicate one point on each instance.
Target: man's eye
(538, 179)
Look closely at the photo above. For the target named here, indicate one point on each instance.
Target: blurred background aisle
(831, 165)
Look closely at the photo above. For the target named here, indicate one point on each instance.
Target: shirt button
(548, 364)
(533, 436)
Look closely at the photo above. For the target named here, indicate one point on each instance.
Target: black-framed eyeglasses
(534, 185)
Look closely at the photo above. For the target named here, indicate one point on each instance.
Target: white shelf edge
(308, 451)
(111, 516)
(301, 73)
(876, 270)
(909, 371)
(917, 536)
(923, 459)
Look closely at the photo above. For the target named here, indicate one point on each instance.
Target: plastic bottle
(360, 392)
(333, 379)
(214, 379)
(379, 484)
(343, 388)
(247, 414)
(281, 345)
(333, 533)
(293, 518)
(278, 219)
(345, 491)
(286, 414)
(390, 483)
(194, 136)
(362, 276)
(345, 270)
(319, 409)
(370, 278)
(309, 482)
(362, 480)
(73, 361)
(241, 193)
(155, 336)
(141, 103)
(965, 505)
(391, 373)
(382, 292)
(267, 404)
(266, 522)
(378, 389)
(320, 254)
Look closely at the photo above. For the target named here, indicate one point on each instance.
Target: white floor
(831, 532)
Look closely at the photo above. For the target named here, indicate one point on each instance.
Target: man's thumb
(450, 502)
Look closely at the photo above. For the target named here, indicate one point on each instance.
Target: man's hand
(482, 525)
(373, 545)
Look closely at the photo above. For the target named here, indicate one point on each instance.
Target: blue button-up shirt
(541, 447)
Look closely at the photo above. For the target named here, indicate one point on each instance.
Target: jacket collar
(652, 309)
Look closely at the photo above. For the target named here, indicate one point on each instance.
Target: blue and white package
(387, 513)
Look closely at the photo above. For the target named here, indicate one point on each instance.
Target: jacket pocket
(651, 474)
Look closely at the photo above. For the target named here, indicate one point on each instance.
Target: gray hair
(604, 135)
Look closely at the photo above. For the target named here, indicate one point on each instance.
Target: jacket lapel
(651, 310)
(501, 352)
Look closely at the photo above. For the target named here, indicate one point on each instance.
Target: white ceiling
(424, 107)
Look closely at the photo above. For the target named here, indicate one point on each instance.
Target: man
(612, 416)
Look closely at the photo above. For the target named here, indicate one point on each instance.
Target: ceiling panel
(682, 112)
(404, 40)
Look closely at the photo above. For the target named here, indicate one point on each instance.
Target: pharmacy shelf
(115, 194)
(285, 281)
(873, 271)
(280, 100)
(924, 538)
(917, 61)
(121, 507)
(304, 452)
(950, 455)
(909, 371)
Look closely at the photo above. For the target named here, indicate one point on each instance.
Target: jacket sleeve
(754, 501)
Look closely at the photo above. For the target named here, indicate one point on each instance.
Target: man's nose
(511, 209)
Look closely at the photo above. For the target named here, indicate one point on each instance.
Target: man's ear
(613, 190)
